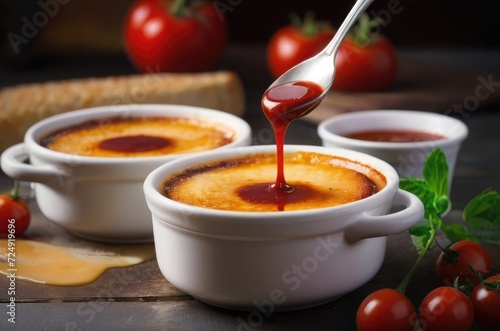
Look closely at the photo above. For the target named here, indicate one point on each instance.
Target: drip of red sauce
(282, 105)
(138, 143)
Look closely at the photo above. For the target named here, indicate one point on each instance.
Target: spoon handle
(358, 8)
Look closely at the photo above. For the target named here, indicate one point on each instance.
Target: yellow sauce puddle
(51, 264)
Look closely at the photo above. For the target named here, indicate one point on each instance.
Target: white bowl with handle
(280, 260)
(100, 198)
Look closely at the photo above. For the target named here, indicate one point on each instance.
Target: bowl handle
(369, 226)
(13, 164)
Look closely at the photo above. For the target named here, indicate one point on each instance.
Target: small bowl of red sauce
(403, 138)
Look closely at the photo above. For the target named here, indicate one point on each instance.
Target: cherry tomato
(295, 43)
(446, 308)
(180, 37)
(485, 299)
(365, 61)
(386, 309)
(14, 215)
(454, 261)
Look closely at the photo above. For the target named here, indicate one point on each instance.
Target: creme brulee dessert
(246, 183)
(132, 136)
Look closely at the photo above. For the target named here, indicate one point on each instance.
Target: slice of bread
(22, 106)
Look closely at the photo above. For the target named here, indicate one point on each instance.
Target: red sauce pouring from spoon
(282, 105)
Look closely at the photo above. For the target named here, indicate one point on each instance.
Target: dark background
(95, 26)
(418, 23)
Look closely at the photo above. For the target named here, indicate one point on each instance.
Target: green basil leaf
(421, 234)
(442, 204)
(484, 231)
(482, 216)
(435, 172)
(457, 232)
(421, 189)
(486, 206)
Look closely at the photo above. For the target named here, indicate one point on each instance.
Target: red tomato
(293, 44)
(14, 215)
(485, 299)
(446, 308)
(161, 37)
(455, 260)
(386, 309)
(365, 68)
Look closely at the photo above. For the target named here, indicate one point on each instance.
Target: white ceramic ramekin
(100, 198)
(407, 158)
(284, 260)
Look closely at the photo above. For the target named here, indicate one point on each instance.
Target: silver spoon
(320, 69)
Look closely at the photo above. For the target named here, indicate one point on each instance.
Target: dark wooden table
(140, 298)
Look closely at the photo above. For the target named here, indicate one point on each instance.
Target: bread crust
(22, 106)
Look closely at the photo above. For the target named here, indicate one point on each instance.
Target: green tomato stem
(404, 284)
(14, 193)
(309, 26)
(362, 33)
(179, 7)
(295, 20)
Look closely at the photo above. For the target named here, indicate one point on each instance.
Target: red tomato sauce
(394, 136)
(282, 105)
(139, 143)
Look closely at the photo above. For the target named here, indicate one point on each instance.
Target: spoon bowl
(320, 69)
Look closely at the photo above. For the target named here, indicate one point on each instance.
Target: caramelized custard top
(132, 136)
(244, 184)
